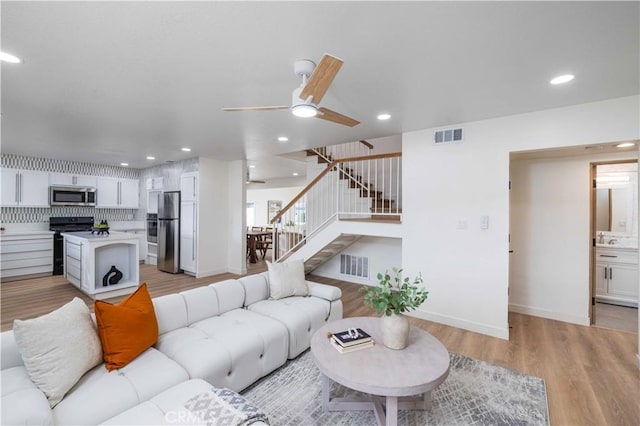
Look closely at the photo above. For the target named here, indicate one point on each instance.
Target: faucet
(613, 241)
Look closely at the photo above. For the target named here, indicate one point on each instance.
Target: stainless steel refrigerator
(169, 232)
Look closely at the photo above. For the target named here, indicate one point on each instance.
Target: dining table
(252, 243)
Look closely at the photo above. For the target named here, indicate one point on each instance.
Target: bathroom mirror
(616, 199)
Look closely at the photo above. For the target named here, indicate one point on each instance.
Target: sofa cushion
(287, 279)
(256, 288)
(58, 348)
(22, 402)
(164, 408)
(126, 329)
(231, 350)
(102, 394)
(171, 312)
(301, 315)
(176, 406)
(201, 302)
(230, 295)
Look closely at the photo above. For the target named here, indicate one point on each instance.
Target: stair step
(381, 203)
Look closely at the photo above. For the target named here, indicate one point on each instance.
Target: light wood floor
(590, 372)
(617, 317)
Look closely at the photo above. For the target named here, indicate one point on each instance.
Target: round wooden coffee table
(380, 371)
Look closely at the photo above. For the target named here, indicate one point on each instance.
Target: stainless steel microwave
(72, 196)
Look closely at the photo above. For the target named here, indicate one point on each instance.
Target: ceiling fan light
(304, 110)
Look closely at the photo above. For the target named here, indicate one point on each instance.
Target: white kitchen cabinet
(189, 186)
(24, 188)
(117, 193)
(152, 201)
(155, 183)
(71, 179)
(616, 276)
(188, 236)
(26, 255)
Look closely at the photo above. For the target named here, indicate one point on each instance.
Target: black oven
(152, 227)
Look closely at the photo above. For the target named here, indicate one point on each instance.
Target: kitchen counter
(88, 258)
(88, 236)
(616, 247)
(24, 233)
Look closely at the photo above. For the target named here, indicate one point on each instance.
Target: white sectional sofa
(227, 334)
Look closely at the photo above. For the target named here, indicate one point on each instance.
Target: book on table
(352, 348)
(353, 336)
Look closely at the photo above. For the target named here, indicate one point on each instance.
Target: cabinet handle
(194, 187)
(608, 255)
(605, 273)
(20, 187)
(17, 187)
(610, 273)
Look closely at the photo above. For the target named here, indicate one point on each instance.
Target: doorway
(614, 259)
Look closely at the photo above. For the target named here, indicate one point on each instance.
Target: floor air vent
(355, 266)
(447, 135)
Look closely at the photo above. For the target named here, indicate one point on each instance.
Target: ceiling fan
(315, 83)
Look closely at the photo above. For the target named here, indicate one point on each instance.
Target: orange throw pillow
(126, 329)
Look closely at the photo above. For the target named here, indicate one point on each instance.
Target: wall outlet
(462, 224)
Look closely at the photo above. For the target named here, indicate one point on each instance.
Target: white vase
(395, 331)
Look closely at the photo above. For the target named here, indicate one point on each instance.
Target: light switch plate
(484, 222)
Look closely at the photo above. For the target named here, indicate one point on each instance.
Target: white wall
(383, 253)
(467, 270)
(551, 236)
(212, 217)
(236, 258)
(260, 197)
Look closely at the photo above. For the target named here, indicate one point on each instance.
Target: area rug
(475, 393)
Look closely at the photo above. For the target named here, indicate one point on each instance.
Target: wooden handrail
(367, 144)
(324, 172)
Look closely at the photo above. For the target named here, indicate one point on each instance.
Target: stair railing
(344, 150)
(361, 187)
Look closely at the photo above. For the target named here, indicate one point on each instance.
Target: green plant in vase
(391, 298)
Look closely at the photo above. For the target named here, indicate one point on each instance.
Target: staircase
(327, 252)
(349, 197)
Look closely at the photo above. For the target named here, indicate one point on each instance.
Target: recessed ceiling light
(295, 174)
(186, 149)
(625, 145)
(124, 164)
(149, 157)
(562, 79)
(384, 116)
(252, 166)
(283, 138)
(7, 57)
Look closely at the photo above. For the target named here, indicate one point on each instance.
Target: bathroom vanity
(616, 275)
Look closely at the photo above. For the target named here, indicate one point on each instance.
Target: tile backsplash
(24, 215)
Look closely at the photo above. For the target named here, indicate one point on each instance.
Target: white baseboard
(236, 271)
(545, 313)
(203, 274)
(500, 333)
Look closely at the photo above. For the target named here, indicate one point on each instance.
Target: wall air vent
(448, 136)
(355, 266)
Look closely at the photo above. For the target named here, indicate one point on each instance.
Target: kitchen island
(89, 258)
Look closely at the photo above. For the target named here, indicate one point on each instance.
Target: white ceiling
(115, 82)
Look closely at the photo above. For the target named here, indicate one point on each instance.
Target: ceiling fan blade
(336, 117)
(321, 78)
(260, 108)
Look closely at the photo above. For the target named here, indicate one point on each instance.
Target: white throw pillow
(287, 279)
(58, 348)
